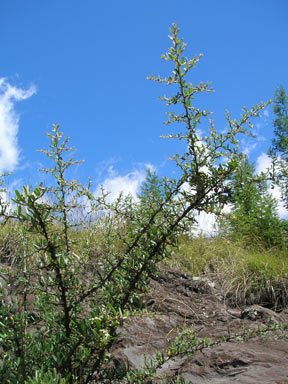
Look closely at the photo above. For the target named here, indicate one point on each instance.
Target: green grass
(248, 275)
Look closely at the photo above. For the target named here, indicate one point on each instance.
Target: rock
(257, 312)
(243, 351)
(264, 362)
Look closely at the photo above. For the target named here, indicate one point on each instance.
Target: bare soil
(249, 344)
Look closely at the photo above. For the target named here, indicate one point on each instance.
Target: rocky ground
(248, 345)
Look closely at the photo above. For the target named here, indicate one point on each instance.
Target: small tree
(68, 328)
(279, 148)
(280, 108)
(253, 216)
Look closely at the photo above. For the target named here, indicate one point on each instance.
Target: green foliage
(45, 332)
(51, 377)
(210, 160)
(280, 142)
(63, 310)
(62, 303)
(279, 148)
(153, 191)
(253, 216)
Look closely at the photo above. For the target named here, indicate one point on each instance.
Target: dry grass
(248, 275)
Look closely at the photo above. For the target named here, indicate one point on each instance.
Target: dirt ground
(249, 345)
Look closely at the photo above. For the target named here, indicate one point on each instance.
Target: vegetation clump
(251, 274)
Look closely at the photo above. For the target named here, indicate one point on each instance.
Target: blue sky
(83, 64)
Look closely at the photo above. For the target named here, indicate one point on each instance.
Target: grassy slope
(248, 275)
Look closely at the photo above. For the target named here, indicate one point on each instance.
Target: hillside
(247, 344)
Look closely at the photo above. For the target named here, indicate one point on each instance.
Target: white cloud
(130, 184)
(266, 113)
(9, 124)
(282, 211)
(206, 224)
(263, 163)
(127, 184)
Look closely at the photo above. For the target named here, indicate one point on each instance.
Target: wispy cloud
(9, 123)
(248, 147)
(248, 144)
